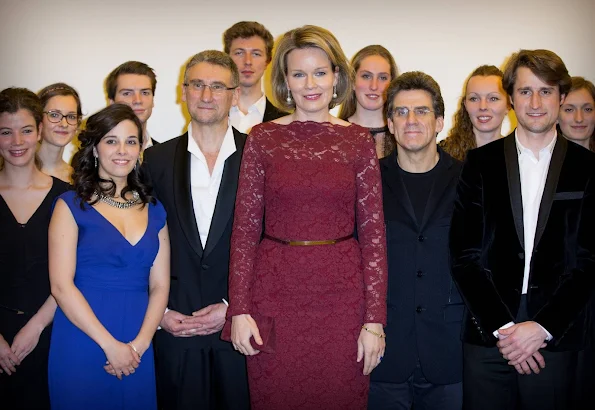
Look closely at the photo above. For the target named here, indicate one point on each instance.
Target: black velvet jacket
(487, 243)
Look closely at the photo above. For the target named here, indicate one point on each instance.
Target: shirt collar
(148, 141)
(228, 146)
(524, 150)
(259, 106)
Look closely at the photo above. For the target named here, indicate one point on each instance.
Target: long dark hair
(461, 138)
(86, 177)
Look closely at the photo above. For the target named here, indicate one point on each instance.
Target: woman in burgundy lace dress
(313, 178)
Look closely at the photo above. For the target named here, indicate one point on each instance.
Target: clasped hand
(121, 359)
(520, 344)
(205, 321)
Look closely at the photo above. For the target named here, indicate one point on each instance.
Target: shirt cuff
(506, 326)
(549, 335)
(166, 310)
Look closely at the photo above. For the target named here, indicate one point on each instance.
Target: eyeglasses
(418, 112)
(56, 117)
(216, 88)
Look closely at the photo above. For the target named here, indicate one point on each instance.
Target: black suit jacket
(271, 112)
(487, 243)
(198, 277)
(425, 309)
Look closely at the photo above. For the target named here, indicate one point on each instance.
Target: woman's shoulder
(158, 212)
(60, 187)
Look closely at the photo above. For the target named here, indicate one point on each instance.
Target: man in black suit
(133, 83)
(422, 366)
(523, 249)
(195, 176)
(250, 45)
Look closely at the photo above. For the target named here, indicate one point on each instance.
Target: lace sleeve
(247, 227)
(371, 230)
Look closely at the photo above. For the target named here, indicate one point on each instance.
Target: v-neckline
(120, 233)
(45, 198)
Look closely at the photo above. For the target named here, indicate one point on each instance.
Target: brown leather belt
(308, 243)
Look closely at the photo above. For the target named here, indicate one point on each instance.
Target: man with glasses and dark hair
(523, 249)
(422, 367)
(195, 177)
(250, 45)
(133, 83)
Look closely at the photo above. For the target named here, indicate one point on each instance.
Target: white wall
(80, 41)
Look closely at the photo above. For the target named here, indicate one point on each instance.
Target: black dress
(24, 287)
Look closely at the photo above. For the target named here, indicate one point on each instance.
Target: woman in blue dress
(109, 273)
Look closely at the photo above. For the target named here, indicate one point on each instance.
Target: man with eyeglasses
(523, 249)
(422, 367)
(133, 83)
(250, 45)
(195, 176)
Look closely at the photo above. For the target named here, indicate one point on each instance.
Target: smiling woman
(108, 245)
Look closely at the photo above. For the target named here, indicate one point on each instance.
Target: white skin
(117, 153)
(209, 115)
(537, 105)
(23, 187)
(250, 55)
(310, 78)
(577, 117)
(55, 136)
(371, 81)
(487, 105)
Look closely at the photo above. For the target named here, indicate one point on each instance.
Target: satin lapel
(394, 182)
(183, 195)
(511, 157)
(551, 183)
(226, 197)
(441, 183)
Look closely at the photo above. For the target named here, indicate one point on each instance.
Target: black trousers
(489, 382)
(205, 379)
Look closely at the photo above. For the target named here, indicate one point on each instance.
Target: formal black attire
(487, 246)
(271, 112)
(425, 309)
(200, 372)
(25, 287)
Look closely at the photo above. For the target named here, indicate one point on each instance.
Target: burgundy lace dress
(310, 181)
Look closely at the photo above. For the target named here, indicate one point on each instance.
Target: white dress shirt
(204, 185)
(244, 122)
(533, 174)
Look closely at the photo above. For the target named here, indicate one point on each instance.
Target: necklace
(120, 205)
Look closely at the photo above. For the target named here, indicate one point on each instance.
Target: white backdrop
(80, 41)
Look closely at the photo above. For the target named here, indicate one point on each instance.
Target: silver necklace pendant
(116, 204)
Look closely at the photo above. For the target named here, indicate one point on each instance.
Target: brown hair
(545, 64)
(129, 67)
(247, 29)
(580, 83)
(349, 107)
(62, 89)
(461, 138)
(415, 80)
(310, 37)
(14, 99)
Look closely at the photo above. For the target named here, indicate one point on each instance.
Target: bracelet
(134, 348)
(380, 335)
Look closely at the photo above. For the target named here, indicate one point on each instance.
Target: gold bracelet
(134, 348)
(380, 335)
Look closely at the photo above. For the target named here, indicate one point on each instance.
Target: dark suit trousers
(205, 379)
(489, 382)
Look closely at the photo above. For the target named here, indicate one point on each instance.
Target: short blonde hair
(310, 37)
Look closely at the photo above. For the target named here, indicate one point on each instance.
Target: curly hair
(14, 99)
(86, 176)
(461, 138)
(350, 105)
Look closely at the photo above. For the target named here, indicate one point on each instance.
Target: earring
(334, 91)
(95, 162)
(288, 99)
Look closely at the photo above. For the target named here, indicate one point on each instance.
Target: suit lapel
(183, 195)
(439, 187)
(226, 197)
(394, 182)
(271, 112)
(551, 183)
(511, 158)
